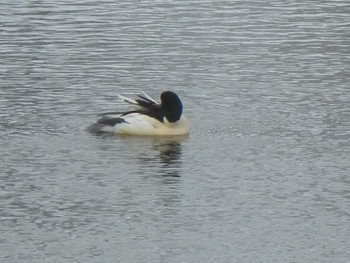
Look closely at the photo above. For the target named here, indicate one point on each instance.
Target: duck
(147, 117)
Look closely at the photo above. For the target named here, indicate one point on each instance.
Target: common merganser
(148, 117)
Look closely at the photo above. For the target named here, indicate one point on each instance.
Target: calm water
(263, 176)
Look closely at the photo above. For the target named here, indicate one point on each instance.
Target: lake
(263, 175)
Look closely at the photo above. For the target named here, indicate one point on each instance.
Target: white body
(139, 124)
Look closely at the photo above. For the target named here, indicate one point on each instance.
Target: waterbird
(147, 118)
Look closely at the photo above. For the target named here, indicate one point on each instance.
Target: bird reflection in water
(166, 156)
(160, 156)
(170, 156)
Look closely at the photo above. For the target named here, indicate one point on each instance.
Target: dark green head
(171, 106)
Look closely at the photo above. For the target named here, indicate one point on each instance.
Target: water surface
(263, 176)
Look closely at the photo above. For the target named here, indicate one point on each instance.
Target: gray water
(263, 176)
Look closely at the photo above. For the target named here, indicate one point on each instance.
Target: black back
(110, 121)
(170, 107)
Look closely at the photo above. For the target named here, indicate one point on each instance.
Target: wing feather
(145, 105)
(148, 97)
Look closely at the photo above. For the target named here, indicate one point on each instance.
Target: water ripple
(265, 86)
